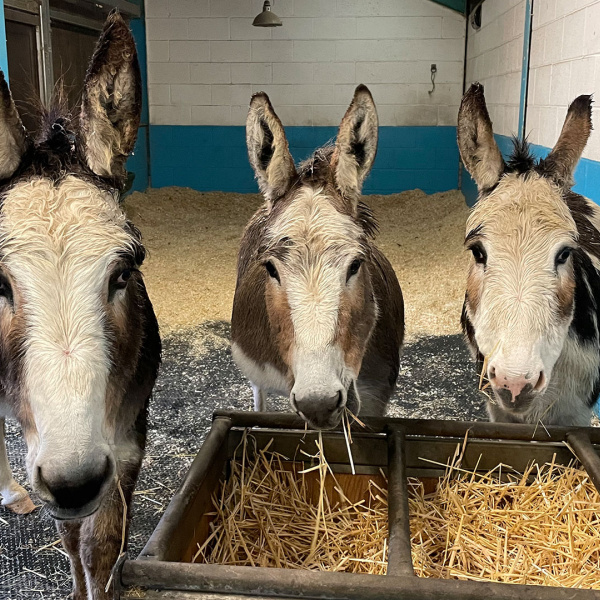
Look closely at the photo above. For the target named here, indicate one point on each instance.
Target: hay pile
(271, 514)
(193, 238)
(540, 527)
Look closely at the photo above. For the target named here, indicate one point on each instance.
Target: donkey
(318, 312)
(533, 290)
(79, 342)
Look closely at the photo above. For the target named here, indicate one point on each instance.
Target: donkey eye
(478, 254)
(563, 256)
(353, 268)
(272, 271)
(120, 282)
(5, 289)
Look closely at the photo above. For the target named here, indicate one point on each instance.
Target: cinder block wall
(495, 58)
(205, 59)
(564, 62)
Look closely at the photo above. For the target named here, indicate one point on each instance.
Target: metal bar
(11, 14)
(127, 8)
(61, 16)
(291, 583)
(46, 52)
(30, 6)
(419, 427)
(159, 544)
(399, 551)
(525, 68)
(579, 441)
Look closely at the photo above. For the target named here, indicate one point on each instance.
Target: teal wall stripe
(3, 50)
(209, 158)
(525, 68)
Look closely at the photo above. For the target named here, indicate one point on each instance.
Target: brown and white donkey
(79, 342)
(318, 312)
(533, 291)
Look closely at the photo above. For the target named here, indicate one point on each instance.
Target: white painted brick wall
(565, 63)
(205, 59)
(494, 58)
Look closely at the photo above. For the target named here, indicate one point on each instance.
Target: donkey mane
(521, 160)
(316, 171)
(54, 150)
(53, 153)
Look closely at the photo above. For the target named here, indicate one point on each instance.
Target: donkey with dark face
(318, 313)
(79, 342)
(533, 290)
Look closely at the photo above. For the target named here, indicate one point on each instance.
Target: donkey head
(71, 297)
(315, 256)
(525, 247)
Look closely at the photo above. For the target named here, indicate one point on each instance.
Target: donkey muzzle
(77, 492)
(321, 412)
(516, 390)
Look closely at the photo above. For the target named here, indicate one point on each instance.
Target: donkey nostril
(541, 382)
(492, 372)
(340, 402)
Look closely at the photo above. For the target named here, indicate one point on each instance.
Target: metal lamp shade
(267, 18)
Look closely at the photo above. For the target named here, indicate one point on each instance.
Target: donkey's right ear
(13, 137)
(478, 148)
(268, 149)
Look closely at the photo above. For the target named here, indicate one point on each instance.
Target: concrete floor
(437, 380)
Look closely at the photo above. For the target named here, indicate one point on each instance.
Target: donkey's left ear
(356, 144)
(112, 100)
(268, 149)
(563, 158)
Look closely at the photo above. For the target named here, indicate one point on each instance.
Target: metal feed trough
(397, 446)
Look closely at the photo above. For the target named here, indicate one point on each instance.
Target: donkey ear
(268, 149)
(356, 144)
(478, 148)
(112, 100)
(563, 158)
(13, 137)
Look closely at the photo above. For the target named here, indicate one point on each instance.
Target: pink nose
(515, 383)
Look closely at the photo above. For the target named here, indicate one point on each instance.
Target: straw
(537, 527)
(540, 527)
(278, 524)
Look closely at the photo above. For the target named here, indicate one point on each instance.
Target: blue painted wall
(3, 51)
(214, 158)
(587, 173)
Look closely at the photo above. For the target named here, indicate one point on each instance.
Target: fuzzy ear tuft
(268, 149)
(478, 149)
(112, 100)
(13, 137)
(356, 144)
(563, 158)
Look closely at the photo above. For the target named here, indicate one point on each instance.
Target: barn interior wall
(564, 62)
(205, 59)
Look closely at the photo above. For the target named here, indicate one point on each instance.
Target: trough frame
(157, 571)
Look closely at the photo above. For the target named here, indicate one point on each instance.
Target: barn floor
(190, 271)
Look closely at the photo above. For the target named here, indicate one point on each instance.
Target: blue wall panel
(214, 158)
(3, 50)
(587, 173)
(138, 161)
